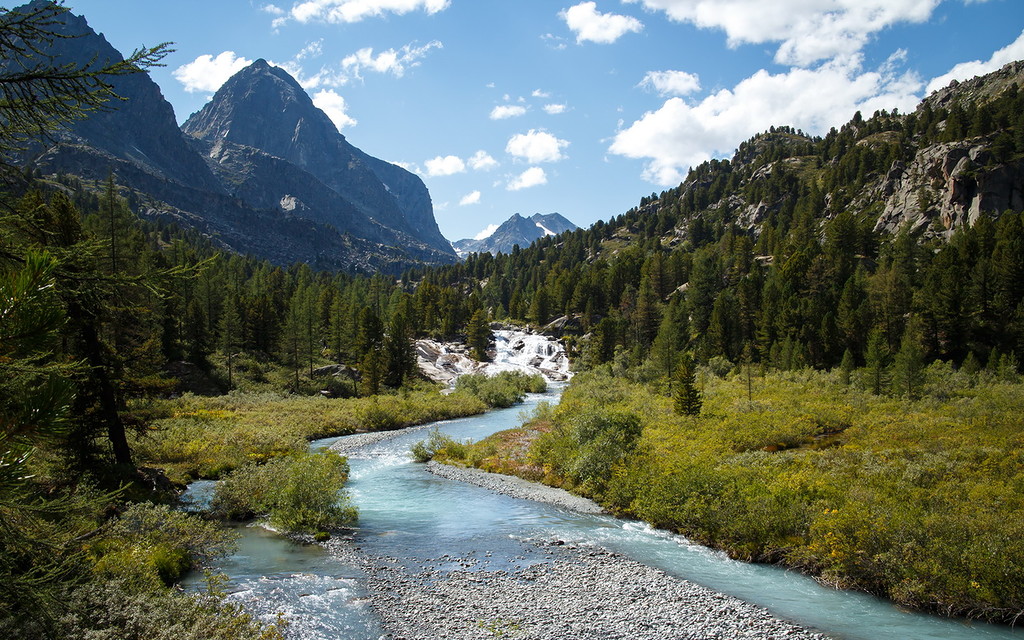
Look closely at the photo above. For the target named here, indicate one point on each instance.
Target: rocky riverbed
(552, 589)
(516, 487)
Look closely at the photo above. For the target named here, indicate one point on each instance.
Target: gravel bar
(516, 487)
(554, 590)
(572, 591)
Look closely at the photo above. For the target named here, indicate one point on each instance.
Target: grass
(202, 437)
(921, 501)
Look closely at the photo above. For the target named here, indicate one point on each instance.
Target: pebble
(573, 591)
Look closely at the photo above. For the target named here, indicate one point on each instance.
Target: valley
(778, 398)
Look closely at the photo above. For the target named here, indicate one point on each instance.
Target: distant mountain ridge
(259, 170)
(517, 230)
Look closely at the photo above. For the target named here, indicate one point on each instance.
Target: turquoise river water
(407, 513)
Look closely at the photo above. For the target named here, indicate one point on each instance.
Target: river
(405, 512)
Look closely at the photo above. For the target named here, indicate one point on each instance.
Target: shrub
(300, 493)
(502, 390)
(149, 545)
(438, 445)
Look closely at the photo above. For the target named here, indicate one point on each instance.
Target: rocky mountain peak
(517, 230)
(263, 108)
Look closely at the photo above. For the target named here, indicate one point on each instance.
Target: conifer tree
(875, 358)
(688, 400)
(230, 333)
(478, 335)
(908, 366)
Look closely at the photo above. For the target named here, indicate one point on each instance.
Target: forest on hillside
(105, 316)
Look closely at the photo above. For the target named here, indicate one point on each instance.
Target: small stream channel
(407, 513)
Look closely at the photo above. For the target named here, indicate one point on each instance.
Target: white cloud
(207, 73)
(537, 93)
(536, 145)
(503, 111)
(338, 11)
(555, 42)
(472, 197)
(678, 135)
(486, 233)
(273, 9)
(532, 177)
(671, 83)
(482, 161)
(445, 166)
(808, 30)
(390, 61)
(312, 50)
(555, 109)
(335, 107)
(590, 24)
(967, 70)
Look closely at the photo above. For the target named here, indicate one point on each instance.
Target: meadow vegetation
(206, 437)
(919, 500)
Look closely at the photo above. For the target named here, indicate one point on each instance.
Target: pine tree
(688, 400)
(908, 366)
(478, 335)
(401, 358)
(230, 333)
(875, 358)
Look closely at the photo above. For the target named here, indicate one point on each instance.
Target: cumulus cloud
(335, 107)
(671, 83)
(807, 30)
(473, 197)
(339, 11)
(967, 70)
(537, 93)
(445, 166)
(486, 233)
(678, 135)
(536, 145)
(504, 111)
(207, 73)
(392, 61)
(589, 24)
(482, 161)
(532, 177)
(555, 109)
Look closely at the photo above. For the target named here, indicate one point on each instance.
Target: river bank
(546, 588)
(516, 487)
(555, 590)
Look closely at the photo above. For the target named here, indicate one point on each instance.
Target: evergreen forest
(760, 369)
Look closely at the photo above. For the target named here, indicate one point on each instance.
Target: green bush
(301, 493)
(502, 390)
(150, 545)
(440, 446)
(115, 609)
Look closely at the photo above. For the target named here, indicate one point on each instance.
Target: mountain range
(259, 169)
(517, 230)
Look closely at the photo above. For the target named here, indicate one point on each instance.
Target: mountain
(517, 230)
(264, 173)
(261, 116)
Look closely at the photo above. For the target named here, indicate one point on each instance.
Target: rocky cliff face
(517, 230)
(140, 130)
(263, 114)
(243, 197)
(948, 186)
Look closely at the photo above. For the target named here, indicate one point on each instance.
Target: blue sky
(576, 107)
